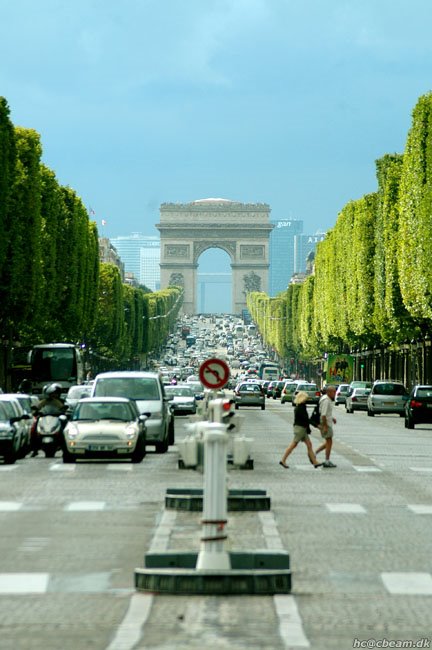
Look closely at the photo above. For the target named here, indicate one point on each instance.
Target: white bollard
(213, 554)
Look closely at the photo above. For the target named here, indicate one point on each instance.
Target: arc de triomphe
(240, 229)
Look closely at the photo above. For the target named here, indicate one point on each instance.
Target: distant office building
(214, 293)
(282, 253)
(303, 246)
(141, 256)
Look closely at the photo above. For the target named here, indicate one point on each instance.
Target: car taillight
(414, 404)
(317, 394)
(354, 399)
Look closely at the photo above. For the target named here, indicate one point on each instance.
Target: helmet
(52, 389)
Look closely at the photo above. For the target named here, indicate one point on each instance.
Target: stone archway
(240, 229)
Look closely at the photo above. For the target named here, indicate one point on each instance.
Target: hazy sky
(287, 102)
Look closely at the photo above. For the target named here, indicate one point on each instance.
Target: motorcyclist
(51, 404)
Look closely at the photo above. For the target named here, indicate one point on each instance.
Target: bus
(269, 371)
(61, 363)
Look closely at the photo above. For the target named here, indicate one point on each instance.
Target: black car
(276, 388)
(418, 409)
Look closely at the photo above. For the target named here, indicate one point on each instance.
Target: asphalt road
(359, 538)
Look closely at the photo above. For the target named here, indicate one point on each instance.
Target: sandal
(283, 465)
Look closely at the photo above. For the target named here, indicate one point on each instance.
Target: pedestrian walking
(301, 431)
(326, 424)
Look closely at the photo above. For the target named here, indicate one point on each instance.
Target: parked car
(287, 391)
(312, 390)
(418, 408)
(387, 397)
(357, 400)
(14, 431)
(147, 390)
(341, 394)
(249, 394)
(182, 398)
(105, 427)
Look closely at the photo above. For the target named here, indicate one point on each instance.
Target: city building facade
(303, 246)
(109, 254)
(282, 253)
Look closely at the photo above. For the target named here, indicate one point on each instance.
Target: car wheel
(9, 458)
(409, 424)
(401, 415)
(50, 452)
(236, 407)
(139, 451)
(370, 413)
(171, 435)
(68, 458)
(262, 407)
(162, 447)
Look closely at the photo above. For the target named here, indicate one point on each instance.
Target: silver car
(357, 400)
(147, 390)
(182, 398)
(105, 427)
(387, 397)
(341, 394)
(249, 394)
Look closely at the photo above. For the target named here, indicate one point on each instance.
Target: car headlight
(71, 431)
(130, 432)
(7, 433)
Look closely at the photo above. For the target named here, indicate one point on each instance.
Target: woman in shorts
(301, 431)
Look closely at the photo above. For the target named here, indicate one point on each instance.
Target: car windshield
(361, 391)
(250, 388)
(389, 389)
(308, 387)
(196, 386)
(103, 411)
(3, 415)
(137, 388)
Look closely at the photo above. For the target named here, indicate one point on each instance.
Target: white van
(147, 390)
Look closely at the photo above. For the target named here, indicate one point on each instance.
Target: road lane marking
(366, 468)
(350, 508)
(421, 509)
(408, 583)
(290, 623)
(23, 583)
(62, 467)
(131, 629)
(10, 506)
(421, 469)
(119, 467)
(83, 506)
(7, 468)
(129, 632)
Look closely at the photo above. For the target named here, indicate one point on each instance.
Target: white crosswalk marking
(23, 583)
(366, 468)
(62, 467)
(9, 506)
(408, 583)
(350, 508)
(421, 509)
(85, 506)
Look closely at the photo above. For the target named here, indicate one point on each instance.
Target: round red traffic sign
(214, 373)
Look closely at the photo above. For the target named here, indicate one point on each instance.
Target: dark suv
(418, 409)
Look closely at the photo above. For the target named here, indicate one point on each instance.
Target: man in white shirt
(326, 424)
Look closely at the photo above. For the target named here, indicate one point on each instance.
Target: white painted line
(408, 583)
(119, 467)
(130, 629)
(10, 506)
(84, 506)
(62, 467)
(290, 623)
(7, 468)
(421, 469)
(129, 632)
(366, 468)
(23, 583)
(350, 508)
(421, 509)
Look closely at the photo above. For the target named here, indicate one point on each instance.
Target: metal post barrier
(213, 554)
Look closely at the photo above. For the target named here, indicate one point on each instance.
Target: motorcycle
(49, 433)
